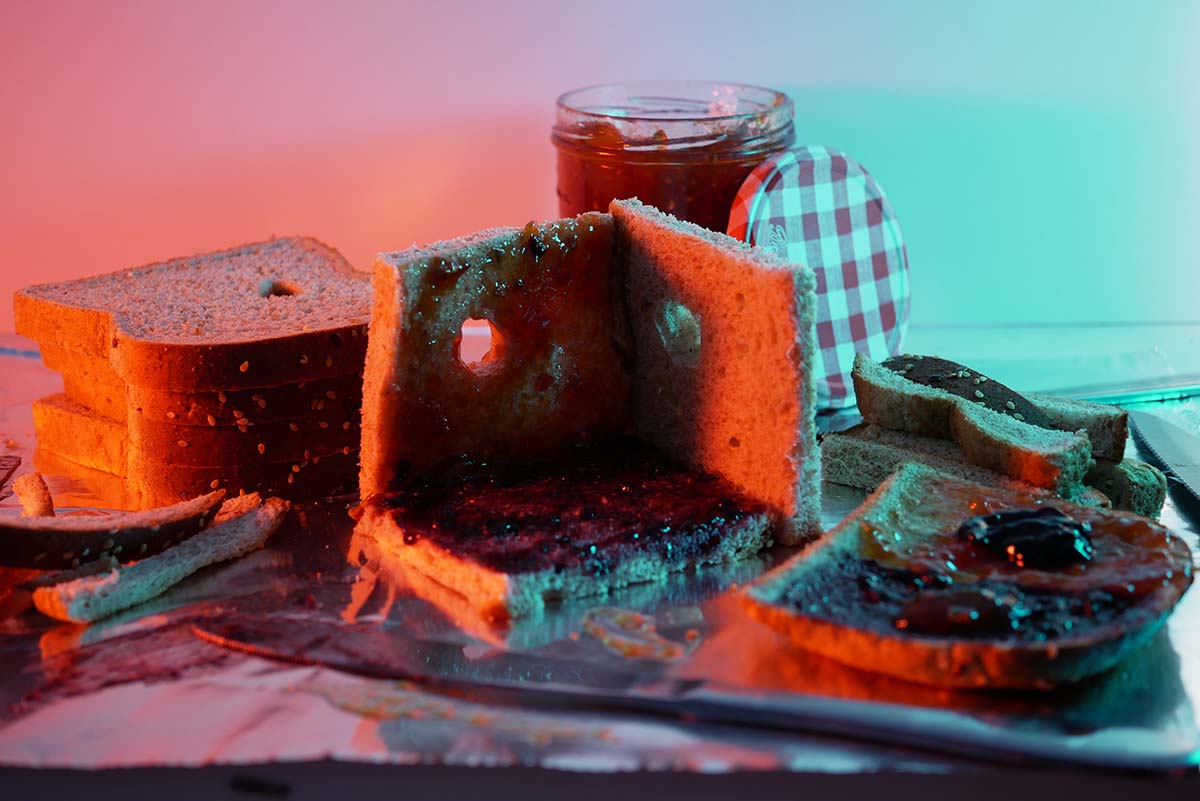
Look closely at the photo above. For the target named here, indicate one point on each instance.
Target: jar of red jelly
(683, 146)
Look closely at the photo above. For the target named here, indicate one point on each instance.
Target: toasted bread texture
(242, 525)
(1055, 460)
(260, 315)
(921, 631)
(723, 377)
(499, 595)
(555, 375)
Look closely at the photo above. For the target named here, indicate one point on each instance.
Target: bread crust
(53, 543)
(738, 397)
(183, 362)
(1051, 459)
(951, 662)
(499, 597)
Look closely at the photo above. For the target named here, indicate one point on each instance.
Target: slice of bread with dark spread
(984, 588)
(1055, 460)
(911, 401)
(581, 522)
(606, 324)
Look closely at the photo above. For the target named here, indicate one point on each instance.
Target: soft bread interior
(701, 345)
(555, 376)
(724, 336)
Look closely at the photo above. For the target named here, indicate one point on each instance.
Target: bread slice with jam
(941, 581)
(604, 325)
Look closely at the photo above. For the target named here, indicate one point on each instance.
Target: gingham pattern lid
(818, 207)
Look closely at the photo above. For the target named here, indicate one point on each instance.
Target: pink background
(1025, 146)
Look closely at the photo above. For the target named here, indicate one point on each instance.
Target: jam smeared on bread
(1042, 538)
(964, 382)
(896, 588)
(582, 508)
(554, 377)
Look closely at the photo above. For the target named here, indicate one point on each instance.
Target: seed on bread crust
(952, 377)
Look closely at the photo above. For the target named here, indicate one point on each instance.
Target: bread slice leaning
(724, 337)
(555, 375)
(819, 597)
(1055, 460)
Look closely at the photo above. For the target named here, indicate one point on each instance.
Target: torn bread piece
(243, 524)
(941, 581)
(33, 495)
(1054, 460)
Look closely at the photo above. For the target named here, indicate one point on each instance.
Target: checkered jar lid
(818, 207)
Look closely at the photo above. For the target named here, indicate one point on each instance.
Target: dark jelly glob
(1042, 538)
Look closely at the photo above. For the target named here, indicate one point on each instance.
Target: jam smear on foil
(584, 506)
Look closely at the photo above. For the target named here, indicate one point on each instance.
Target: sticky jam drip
(1042, 539)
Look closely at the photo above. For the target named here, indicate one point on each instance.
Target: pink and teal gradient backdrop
(1042, 157)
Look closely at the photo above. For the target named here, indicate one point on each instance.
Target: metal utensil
(542, 681)
(1175, 450)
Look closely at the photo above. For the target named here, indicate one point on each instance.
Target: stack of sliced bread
(939, 413)
(237, 370)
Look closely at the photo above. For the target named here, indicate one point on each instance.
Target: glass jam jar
(683, 146)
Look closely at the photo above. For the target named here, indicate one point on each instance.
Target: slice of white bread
(555, 377)
(865, 455)
(821, 598)
(154, 483)
(242, 525)
(1055, 460)
(260, 315)
(724, 336)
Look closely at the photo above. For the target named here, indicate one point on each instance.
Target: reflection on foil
(132, 678)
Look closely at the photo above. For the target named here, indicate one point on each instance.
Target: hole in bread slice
(679, 329)
(480, 346)
(274, 288)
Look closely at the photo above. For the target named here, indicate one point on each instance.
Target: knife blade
(1175, 450)
(441, 668)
